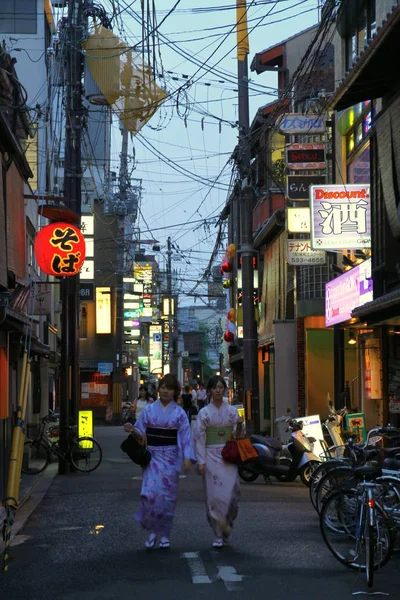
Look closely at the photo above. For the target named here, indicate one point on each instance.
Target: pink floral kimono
(221, 480)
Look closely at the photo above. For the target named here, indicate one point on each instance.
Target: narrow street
(81, 542)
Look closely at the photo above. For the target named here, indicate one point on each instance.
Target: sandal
(218, 543)
(151, 540)
(164, 542)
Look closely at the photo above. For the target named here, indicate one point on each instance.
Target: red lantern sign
(60, 249)
(228, 336)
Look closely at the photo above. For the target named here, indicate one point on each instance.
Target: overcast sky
(182, 152)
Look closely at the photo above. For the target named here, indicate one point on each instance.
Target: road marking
(196, 567)
(232, 580)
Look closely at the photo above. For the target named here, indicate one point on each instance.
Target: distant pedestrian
(168, 437)
(193, 391)
(141, 401)
(214, 426)
(187, 401)
(201, 396)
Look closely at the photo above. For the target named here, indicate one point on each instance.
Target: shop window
(358, 169)
(357, 144)
(83, 323)
(360, 29)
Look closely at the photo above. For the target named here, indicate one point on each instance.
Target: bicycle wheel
(86, 454)
(36, 457)
(334, 479)
(343, 522)
(369, 553)
(316, 477)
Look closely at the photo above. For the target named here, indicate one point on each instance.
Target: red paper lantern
(60, 249)
(232, 315)
(228, 336)
(226, 266)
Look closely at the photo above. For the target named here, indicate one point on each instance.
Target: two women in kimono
(167, 429)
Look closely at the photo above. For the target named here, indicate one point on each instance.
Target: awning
(372, 76)
(269, 230)
(381, 309)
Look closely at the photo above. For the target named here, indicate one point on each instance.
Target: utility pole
(70, 374)
(169, 294)
(123, 187)
(246, 249)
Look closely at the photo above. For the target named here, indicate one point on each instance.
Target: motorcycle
(271, 461)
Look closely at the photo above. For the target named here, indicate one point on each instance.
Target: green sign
(355, 424)
(131, 314)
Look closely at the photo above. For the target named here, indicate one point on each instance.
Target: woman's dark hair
(212, 382)
(143, 388)
(171, 382)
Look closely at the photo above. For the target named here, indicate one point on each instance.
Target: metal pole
(70, 375)
(123, 186)
(247, 254)
(169, 294)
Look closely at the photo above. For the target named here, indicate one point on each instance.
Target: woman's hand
(129, 428)
(201, 469)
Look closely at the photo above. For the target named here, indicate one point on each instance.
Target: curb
(34, 495)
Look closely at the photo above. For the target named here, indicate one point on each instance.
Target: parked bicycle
(355, 525)
(84, 453)
(341, 470)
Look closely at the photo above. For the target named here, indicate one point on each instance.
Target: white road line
(196, 567)
(232, 580)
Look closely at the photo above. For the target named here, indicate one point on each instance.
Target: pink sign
(345, 293)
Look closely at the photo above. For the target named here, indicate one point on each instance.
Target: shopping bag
(246, 450)
(230, 452)
(137, 450)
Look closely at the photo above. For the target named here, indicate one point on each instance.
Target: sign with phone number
(299, 252)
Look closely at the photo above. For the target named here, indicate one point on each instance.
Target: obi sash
(218, 435)
(156, 436)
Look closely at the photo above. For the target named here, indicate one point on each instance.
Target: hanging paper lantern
(226, 266)
(221, 271)
(228, 336)
(227, 283)
(230, 251)
(232, 315)
(60, 249)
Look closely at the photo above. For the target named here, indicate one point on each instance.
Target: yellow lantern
(230, 251)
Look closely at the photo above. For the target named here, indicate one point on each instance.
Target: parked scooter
(270, 460)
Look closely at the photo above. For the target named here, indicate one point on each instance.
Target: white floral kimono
(221, 480)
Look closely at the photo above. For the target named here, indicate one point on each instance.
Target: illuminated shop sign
(340, 216)
(347, 292)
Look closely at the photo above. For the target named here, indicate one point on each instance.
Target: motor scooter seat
(391, 463)
(266, 441)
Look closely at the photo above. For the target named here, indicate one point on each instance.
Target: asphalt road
(82, 543)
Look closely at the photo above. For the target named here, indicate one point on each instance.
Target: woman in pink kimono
(168, 438)
(215, 424)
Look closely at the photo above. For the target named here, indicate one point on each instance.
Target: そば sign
(340, 216)
(60, 249)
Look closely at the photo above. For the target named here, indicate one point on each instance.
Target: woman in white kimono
(169, 441)
(215, 424)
